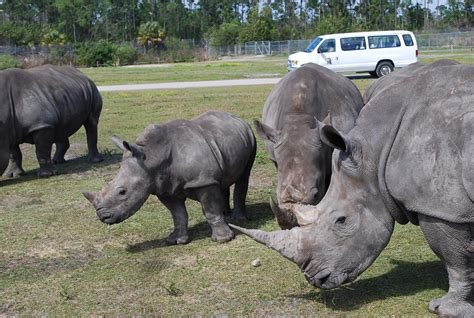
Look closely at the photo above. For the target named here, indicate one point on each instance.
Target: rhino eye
(341, 220)
(122, 191)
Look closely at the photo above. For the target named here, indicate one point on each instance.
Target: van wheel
(384, 68)
(373, 74)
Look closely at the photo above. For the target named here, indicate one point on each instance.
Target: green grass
(186, 72)
(57, 258)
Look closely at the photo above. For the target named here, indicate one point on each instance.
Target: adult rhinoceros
(197, 159)
(410, 157)
(290, 130)
(46, 105)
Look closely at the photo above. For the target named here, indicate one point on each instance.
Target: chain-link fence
(432, 41)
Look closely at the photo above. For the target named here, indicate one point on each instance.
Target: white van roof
(368, 33)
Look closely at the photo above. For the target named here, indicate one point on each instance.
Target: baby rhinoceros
(197, 159)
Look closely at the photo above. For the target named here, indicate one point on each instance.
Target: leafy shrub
(226, 34)
(126, 54)
(8, 61)
(177, 50)
(99, 53)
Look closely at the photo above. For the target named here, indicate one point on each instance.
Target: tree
(259, 27)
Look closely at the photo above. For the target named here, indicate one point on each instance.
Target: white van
(375, 52)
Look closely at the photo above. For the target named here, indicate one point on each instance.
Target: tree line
(226, 22)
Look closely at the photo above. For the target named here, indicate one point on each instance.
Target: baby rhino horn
(89, 196)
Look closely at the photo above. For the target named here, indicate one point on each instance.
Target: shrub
(96, 54)
(8, 61)
(177, 51)
(126, 54)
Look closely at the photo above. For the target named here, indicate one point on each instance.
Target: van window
(408, 40)
(383, 41)
(328, 45)
(313, 44)
(352, 44)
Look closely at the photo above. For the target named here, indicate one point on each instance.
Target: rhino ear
(266, 132)
(331, 137)
(136, 152)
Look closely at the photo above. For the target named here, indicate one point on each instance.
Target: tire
(383, 68)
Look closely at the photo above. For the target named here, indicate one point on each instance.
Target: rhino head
(347, 230)
(303, 164)
(126, 193)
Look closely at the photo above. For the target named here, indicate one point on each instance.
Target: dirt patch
(186, 261)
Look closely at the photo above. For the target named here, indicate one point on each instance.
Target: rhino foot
(238, 216)
(447, 307)
(221, 233)
(175, 238)
(58, 161)
(14, 172)
(95, 158)
(46, 172)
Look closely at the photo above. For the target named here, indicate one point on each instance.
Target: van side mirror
(319, 50)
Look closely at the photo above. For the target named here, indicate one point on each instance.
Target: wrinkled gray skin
(197, 159)
(410, 157)
(46, 105)
(290, 129)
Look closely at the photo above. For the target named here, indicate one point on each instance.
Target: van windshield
(313, 45)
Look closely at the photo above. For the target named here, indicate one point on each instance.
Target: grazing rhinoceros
(46, 105)
(197, 159)
(410, 157)
(290, 130)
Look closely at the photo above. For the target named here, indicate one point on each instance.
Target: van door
(329, 54)
(354, 56)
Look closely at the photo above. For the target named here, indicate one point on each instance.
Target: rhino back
(316, 91)
(213, 148)
(230, 140)
(422, 141)
(51, 97)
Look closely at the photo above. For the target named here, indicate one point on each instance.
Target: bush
(97, 54)
(126, 54)
(8, 61)
(177, 51)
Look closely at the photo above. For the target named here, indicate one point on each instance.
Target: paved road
(176, 85)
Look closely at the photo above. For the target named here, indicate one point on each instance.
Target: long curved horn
(285, 242)
(285, 220)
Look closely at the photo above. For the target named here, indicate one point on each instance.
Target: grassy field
(250, 67)
(57, 258)
(186, 72)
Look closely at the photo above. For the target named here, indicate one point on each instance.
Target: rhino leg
(213, 206)
(91, 132)
(240, 194)
(178, 211)
(61, 148)
(16, 159)
(226, 195)
(453, 243)
(43, 140)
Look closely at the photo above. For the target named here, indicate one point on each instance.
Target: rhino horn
(284, 241)
(285, 220)
(304, 214)
(89, 196)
